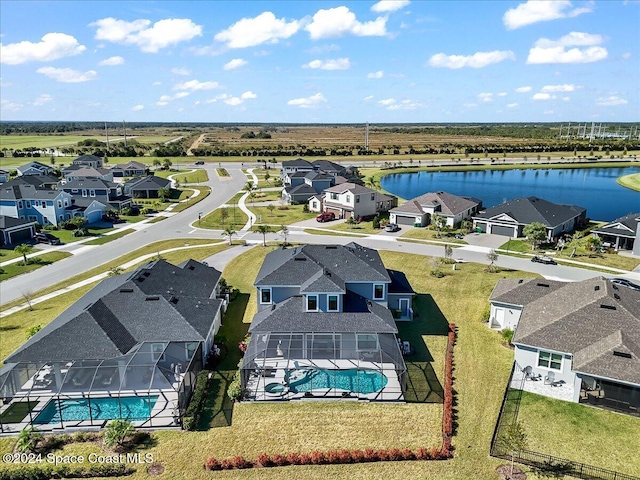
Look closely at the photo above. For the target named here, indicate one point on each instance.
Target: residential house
(44, 182)
(304, 185)
(132, 344)
(4, 176)
(35, 168)
(15, 230)
(88, 161)
(78, 172)
(622, 234)
(330, 168)
(576, 341)
(110, 194)
(418, 211)
(129, 169)
(146, 187)
(348, 200)
(325, 327)
(511, 217)
(293, 166)
(45, 206)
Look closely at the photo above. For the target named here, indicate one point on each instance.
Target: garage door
(482, 226)
(335, 211)
(501, 230)
(405, 220)
(94, 216)
(20, 235)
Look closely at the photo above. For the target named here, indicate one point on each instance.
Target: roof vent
(147, 273)
(173, 300)
(300, 259)
(191, 267)
(140, 279)
(149, 299)
(331, 247)
(546, 285)
(126, 290)
(618, 353)
(520, 281)
(616, 296)
(615, 287)
(607, 307)
(596, 288)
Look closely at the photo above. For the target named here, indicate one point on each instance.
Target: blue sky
(327, 62)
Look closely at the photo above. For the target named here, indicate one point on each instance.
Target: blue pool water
(133, 408)
(352, 380)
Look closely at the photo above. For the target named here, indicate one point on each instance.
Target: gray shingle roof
(150, 182)
(349, 186)
(298, 162)
(323, 283)
(533, 209)
(328, 166)
(522, 291)
(95, 183)
(449, 204)
(399, 282)
(589, 319)
(290, 316)
(37, 181)
(8, 222)
(302, 189)
(121, 312)
(28, 192)
(617, 227)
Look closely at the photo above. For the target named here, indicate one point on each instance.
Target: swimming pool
(350, 380)
(133, 408)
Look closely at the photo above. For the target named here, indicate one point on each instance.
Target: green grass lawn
(7, 254)
(202, 193)
(314, 231)
(428, 234)
(630, 181)
(14, 269)
(521, 246)
(183, 177)
(66, 236)
(110, 238)
(222, 172)
(236, 218)
(362, 227)
(262, 196)
(292, 214)
(581, 433)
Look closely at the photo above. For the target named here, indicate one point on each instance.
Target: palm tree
(229, 232)
(157, 163)
(263, 229)
(271, 207)
(163, 193)
(371, 182)
(285, 232)
(23, 250)
(166, 163)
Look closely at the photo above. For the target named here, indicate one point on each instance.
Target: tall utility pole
(106, 132)
(366, 137)
(124, 126)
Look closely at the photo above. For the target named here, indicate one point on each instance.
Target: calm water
(592, 188)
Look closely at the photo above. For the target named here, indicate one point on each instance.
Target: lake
(592, 188)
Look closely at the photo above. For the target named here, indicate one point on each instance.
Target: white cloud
(233, 101)
(181, 71)
(196, 85)
(542, 96)
(51, 47)
(248, 95)
(313, 101)
(502, 94)
(378, 74)
(336, 22)
(404, 105)
(265, 28)
(165, 99)
(470, 105)
(68, 75)
(111, 62)
(386, 102)
(611, 101)
(524, 89)
(332, 64)
(156, 83)
(10, 106)
(512, 105)
(560, 88)
(235, 63)
(485, 97)
(137, 108)
(181, 95)
(477, 60)
(42, 99)
(626, 55)
(555, 51)
(149, 38)
(534, 11)
(389, 5)
(367, 98)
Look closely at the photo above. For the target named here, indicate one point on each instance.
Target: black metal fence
(542, 462)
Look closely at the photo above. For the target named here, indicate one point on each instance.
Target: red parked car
(326, 217)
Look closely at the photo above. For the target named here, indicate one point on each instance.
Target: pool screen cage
(151, 386)
(288, 366)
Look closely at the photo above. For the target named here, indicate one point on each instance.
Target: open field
(630, 181)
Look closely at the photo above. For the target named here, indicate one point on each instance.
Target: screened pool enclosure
(151, 386)
(289, 366)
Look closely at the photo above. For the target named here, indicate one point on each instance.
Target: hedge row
(332, 457)
(194, 410)
(47, 472)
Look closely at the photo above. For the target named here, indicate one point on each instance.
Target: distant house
(78, 172)
(131, 347)
(34, 168)
(15, 230)
(4, 176)
(45, 206)
(88, 161)
(418, 211)
(325, 314)
(304, 185)
(348, 200)
(329, 168)
(130, 169)
(511, 217)
(292, 166)
(109, 194)
(45, 182)
(622, 234)
(146, 187)
(580, 339)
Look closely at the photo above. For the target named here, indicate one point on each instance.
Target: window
(348, 198)
(20, 204)
(265, 295)
(357, 198)
(28, 204)
(84, 192)
(378, 292)
(314, 205)
(32, 218)
(373, 197)
(92, 193)
(367, 341)
(59, 204)
(334, 196)
(332, 303)
(312, 303)
(550, 360)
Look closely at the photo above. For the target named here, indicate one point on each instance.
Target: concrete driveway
(488, 240)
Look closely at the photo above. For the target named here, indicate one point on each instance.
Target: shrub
(407, 454)
(235, 390)
(28, 440)
(226, 464)
(240, 462)
(344, 456)
(264, 460)
(116, 432)
(394, 454)
(212, 464)
(357, 456)
(192, 414)
(317, 458)
(370, 455)
(279, 460)
(332, 457)
(294, 459)
(305, 459)
(507, 335)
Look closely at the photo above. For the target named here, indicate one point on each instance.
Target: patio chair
(529, 375)
(550, 378)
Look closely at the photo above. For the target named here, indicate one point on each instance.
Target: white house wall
(504, 316)
(528, 356)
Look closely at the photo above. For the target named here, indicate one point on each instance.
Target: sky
(391, 61)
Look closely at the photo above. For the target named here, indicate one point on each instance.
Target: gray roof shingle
(533, 209)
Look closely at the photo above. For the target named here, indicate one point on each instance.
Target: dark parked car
(623, 282)
(326, 217)
(43, 237)
(200, 162)
(545, 260)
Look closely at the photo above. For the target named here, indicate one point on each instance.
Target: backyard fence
(540, 461)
